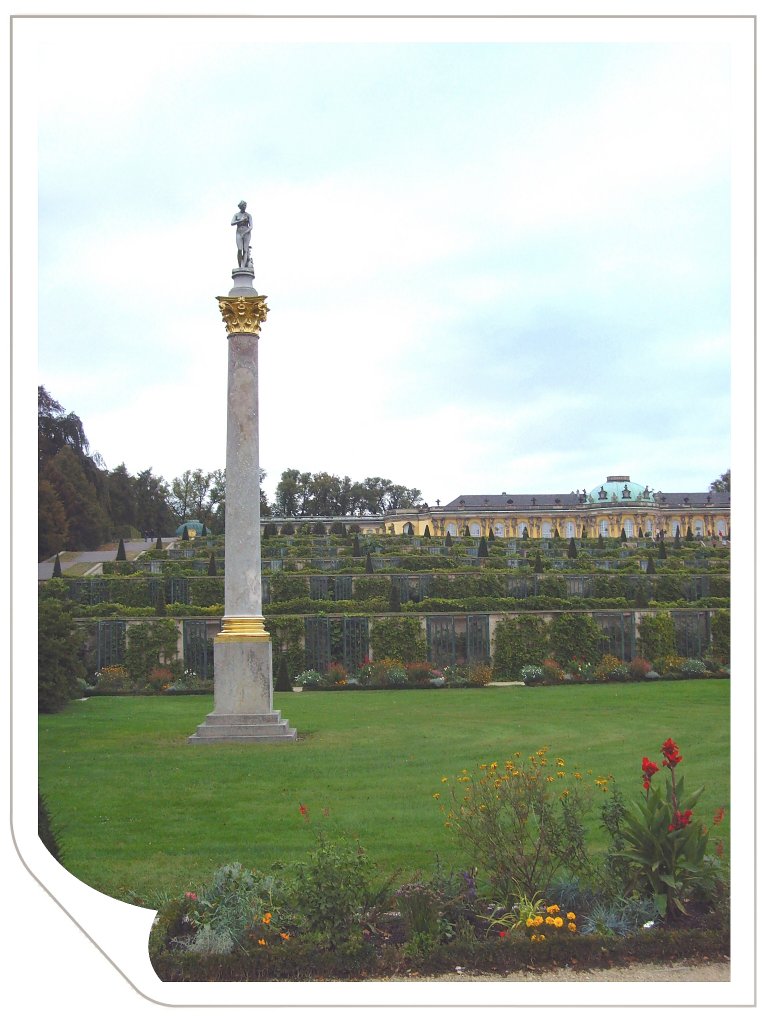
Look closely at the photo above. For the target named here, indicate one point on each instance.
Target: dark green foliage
(662, 552)
(657, 636)
(368, 563)
(394, 597)
(59, 666)
(283, 681)
(518, 641)
(466, 531)
(721, 636)
(356, 552)
(448, 540)
(318, 529)
(623, 535)
(212, 565)
(159, 543)
(57, 568)
(270, 530)
(600, 541)
(538, 567)
(689, 534)
(160, 608)
(575, 638)
(572, 552)
(150, 644)
(399, 638)
(185, 533)
(650, 567)
(204, 531)
(482, 550)
(427, 532)
(120, 556)
(50, 836)
(338, 529)
(287, 530)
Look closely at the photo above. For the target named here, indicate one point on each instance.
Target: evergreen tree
(159, 543)
(409, 529)
(427, 532)
(283, 680)
(287, 529)
(662, 552)
(185, 533)
(58, 657)
(482, 550)
(572, 552)
(356, 552)
(623, 533)
(689, 534)
(557, 534)
(204, 531)
(466, 531)
(160, 606)
(600, 541)
(51, 520)
(537, 565)
(583, 533)
(48, 833)
(650, 567)
(525, 533)
(120, 556)
(368, 563)
(212, 565)
(448, 540)
(57, 568)
(394, 597)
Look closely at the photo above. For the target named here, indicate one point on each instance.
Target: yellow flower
(558, 922)
(571, 916)
(550, 778)
(530, 923)
(559, 762)
(554, 909)
(549, 919)
(493, 765)
(571, 926)
(444, 779)
(436, 796)
(577, 775)
(561, 775)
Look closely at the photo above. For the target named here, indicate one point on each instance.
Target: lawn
(142, 812)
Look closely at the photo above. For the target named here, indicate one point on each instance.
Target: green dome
(619, 488)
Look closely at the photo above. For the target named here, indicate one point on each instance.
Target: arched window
(629, 527)
(698, 527)
(451, 528)
(474, 529)
(570, 529)
(498, 529)
(605, 528)
(522, 527)
(546, 529)
(721, 528)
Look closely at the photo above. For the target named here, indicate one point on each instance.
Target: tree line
(82, 503)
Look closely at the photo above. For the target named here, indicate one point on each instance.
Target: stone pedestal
(242, 651)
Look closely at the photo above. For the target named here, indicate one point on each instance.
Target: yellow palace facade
(607, 510)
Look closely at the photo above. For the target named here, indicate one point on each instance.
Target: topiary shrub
(283, 680)
(575, 637)
(120, 556)
(516, 642)
(399, 638)
(657, 636)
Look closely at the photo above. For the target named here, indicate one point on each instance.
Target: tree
(57, 568)
(448, 540)
(120, 556)
(283, 680)
(123, 506)
(482, 550)
(394, 597)
(212, 565)
(537, 565)
(427, 532)
(52, 524)
(58, 657)
(368, 563)
(572, 552)
(650, 567)
(722, 484)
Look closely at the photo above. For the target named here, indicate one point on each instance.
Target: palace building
(608, 509)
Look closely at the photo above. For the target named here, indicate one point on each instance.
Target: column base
(242, 690)
(268, 728)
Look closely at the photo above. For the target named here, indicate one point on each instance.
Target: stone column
(242, 651)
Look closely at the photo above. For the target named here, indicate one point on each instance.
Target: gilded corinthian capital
(243, 314)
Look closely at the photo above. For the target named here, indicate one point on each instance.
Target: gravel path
(679, 971)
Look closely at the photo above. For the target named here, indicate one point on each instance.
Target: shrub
(335, 674)
(49, 834)
(160, 678)
(283, 680)
(333, 891)
(692, 668)
(553, 672)
(521, 821)
(419, 672)
(639, 668)
(480, 674)
(311, 679)
(59, 665)
(611, 667)
(112, 677)
(400, 638)
(657, 636)
(149, 644)
(516, 642)
(721, 637)
(575, 637)
(532, 675)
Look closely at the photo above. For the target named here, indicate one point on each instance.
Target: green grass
(141, 811)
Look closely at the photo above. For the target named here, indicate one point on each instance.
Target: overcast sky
(490, 265)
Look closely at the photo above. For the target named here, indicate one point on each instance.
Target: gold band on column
(243, 314)
(242, 628)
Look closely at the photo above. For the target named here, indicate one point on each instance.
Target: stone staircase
(264, 728)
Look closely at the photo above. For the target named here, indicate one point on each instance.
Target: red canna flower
(671, 752)
(719, 815)
(303, 811)
(680, 820)
(649, 770)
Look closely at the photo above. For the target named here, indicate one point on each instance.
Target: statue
(244, 223)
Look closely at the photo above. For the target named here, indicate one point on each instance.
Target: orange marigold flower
(571, 926)
(571, 916)
(262, 942)
(267, 917)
